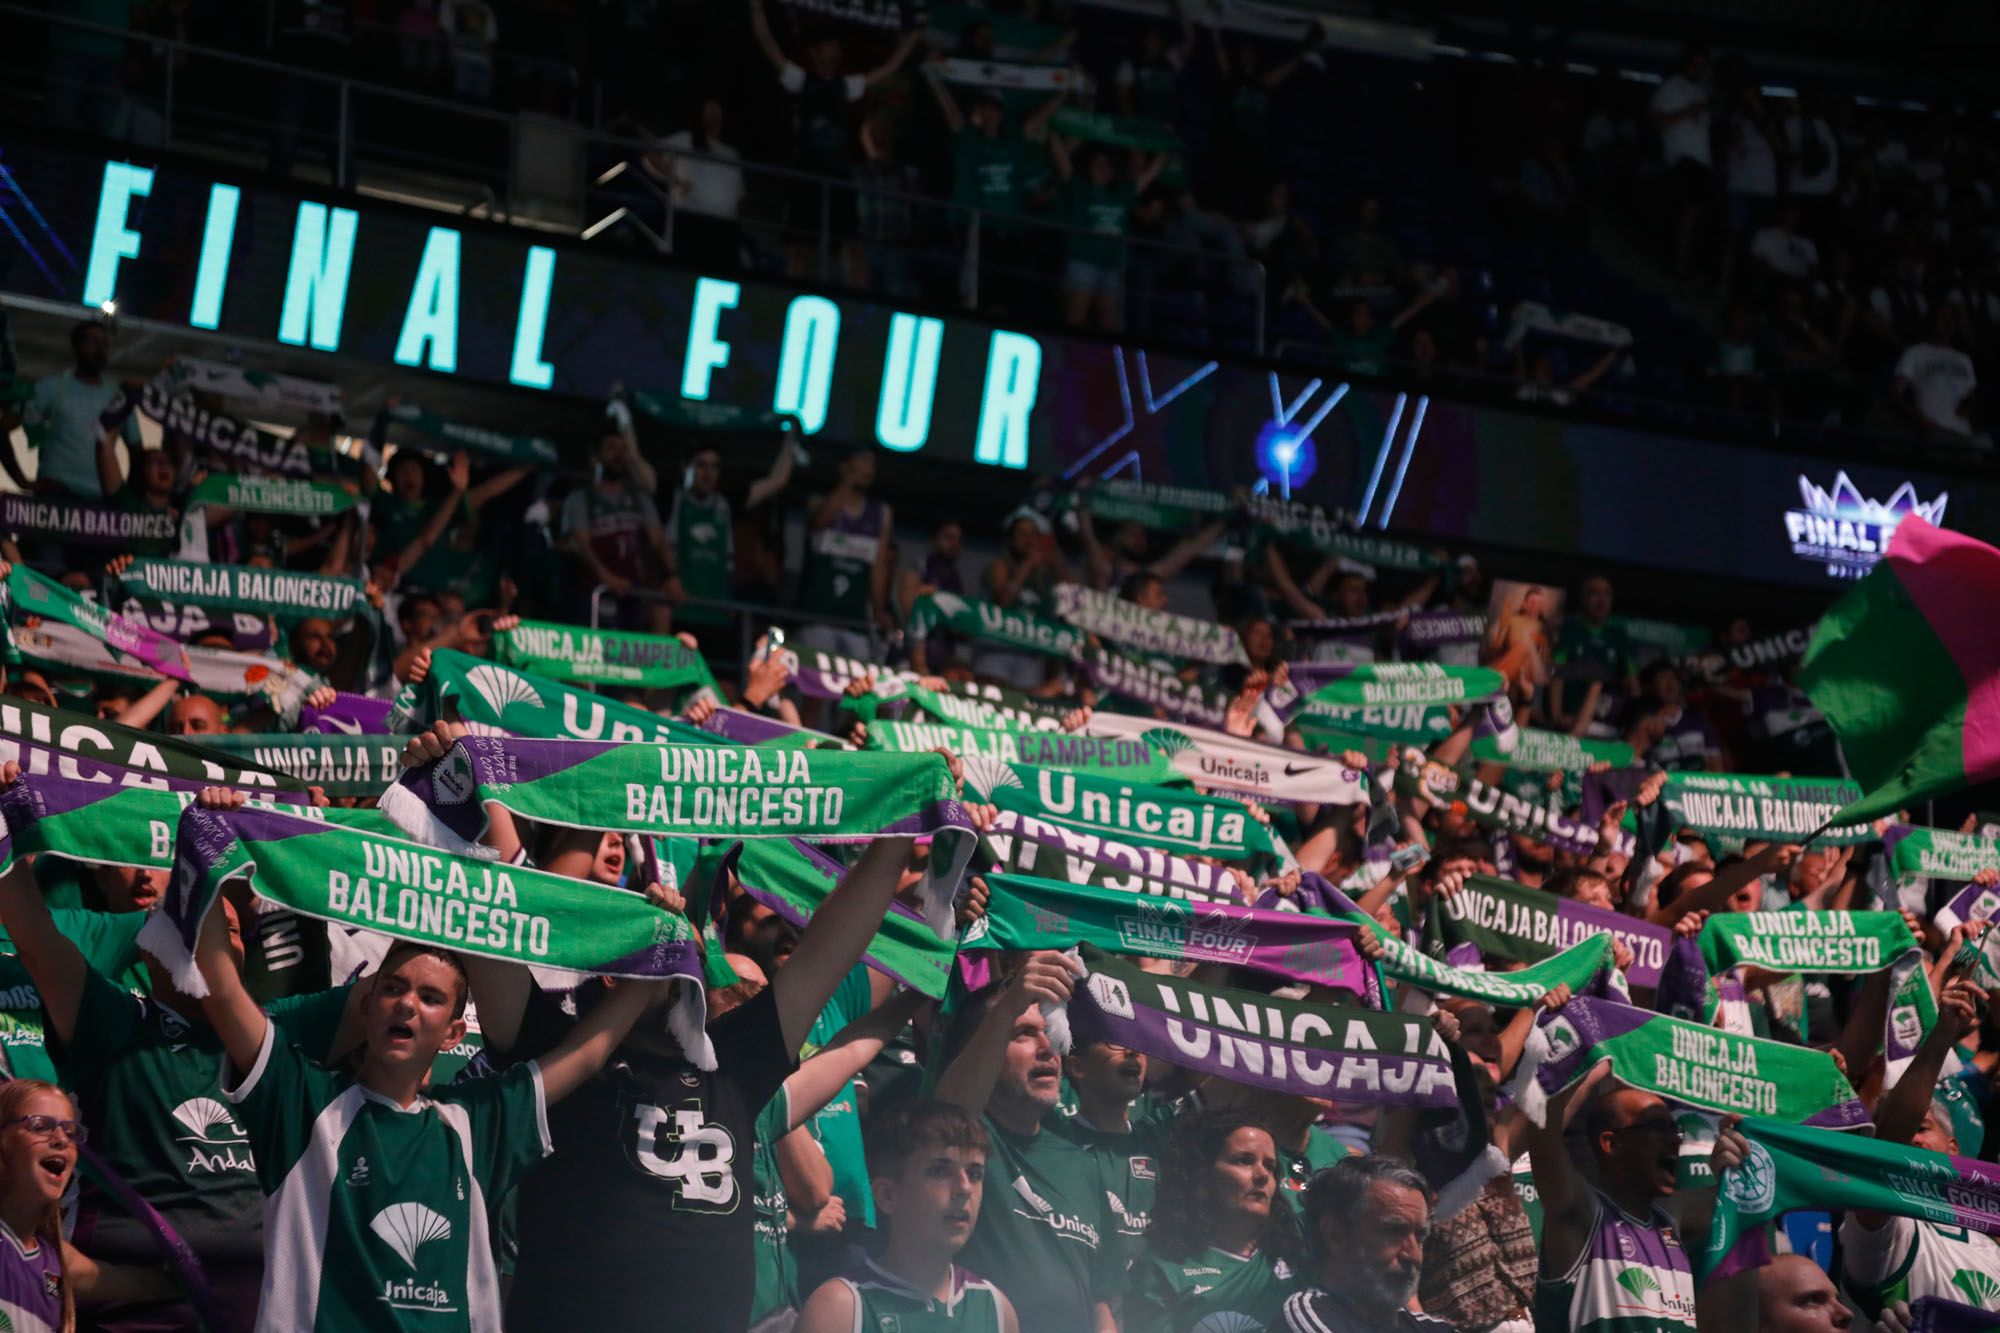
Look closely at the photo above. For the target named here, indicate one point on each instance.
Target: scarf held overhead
(1181, 637)
(1501, 919)
(1304, 1049)
(1218, 761)
(353, 878)
(605, 657)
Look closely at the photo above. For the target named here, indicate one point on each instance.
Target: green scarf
(1425, 684)
(1758, 809)
(1683, 1062)
(968, 704)
(266, 592)
(1174, 820)
(1552, 751)
(532, 450)
(1501, 919)
(602, 657)
(1915, 852)
(271, 495)
(1117, 760)
(1160, 508)
(711, 791)
(1791, 1167)
(1311, 528)
(338, 765)
(1495, 807)
(1148, 136)
(408, 892)
(690, 414)
(101, 824)
(793, 880)
(488, 695)
(973, 618)
(1182, 638)
(76, 745)
(1584, 967)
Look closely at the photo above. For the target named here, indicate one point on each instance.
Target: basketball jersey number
(702, 1156)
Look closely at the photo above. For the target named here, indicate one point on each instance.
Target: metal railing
(550, 172)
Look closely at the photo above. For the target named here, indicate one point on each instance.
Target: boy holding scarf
(376, 1190)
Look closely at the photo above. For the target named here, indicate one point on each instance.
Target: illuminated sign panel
(1847, 533)
(489, 305)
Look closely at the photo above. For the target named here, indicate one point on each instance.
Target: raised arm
(441, 517)
(1566, 1196)
(818, 1081)
(1150, 172)
(1183, 552)
(837, 935)
(894, 60)
(954, 119)
(53, 961)
(779, 477)
(1900, 1112)
(760, 28)
(578, 1056)
(230, 1010)
(968, 1081)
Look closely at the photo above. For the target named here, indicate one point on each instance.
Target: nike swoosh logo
(1293, 770)
(348, 728)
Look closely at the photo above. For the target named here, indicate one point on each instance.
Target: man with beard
(1366, 1219)
(1594, 1236)
(1046, 1235)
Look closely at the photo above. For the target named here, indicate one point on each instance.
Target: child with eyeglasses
(41, 1275)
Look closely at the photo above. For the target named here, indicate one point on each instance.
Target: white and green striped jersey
(1632, 1276)
(375, 1215)
(1905, 1259)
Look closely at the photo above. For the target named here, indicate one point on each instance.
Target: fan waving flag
(1906, 668)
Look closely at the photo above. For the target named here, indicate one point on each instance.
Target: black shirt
(642, 1216)
(1317, 1310)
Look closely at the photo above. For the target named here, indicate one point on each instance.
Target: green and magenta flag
(1906, 668)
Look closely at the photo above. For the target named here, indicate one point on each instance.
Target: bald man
(1795, 1296)
(196, 715)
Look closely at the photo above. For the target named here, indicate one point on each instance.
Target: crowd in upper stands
(1837, 253)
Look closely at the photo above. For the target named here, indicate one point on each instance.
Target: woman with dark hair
(1221, 1252)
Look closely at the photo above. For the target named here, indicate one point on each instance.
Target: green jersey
(989, 174)
(1211, 1290)
(704, 551)
(1594, 652)
(837, 1125)
(840, 562)
(376, 1215)
(108, 942)
(1044, 1232)
(1103, 213)
(777, 1270)
(1321, 1151)
(884, 1303)
(145, 1077)
(1128, 1165)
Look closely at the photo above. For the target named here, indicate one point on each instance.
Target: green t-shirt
(1322, 1150)
(1594, 652)
(1044, 1233)
(704, 550)
(1128, 1165)
(837, 1125)
(777, 1270)
(128, 500)
(1363, 352)
(377, 1214)
(145, 1078)
(1211, 1290)
(397, 524)
(988, 174)
(1105, 212)
(885, 1302)
(312, 1022)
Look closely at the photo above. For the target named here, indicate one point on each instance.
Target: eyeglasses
(1666, 1129)
(43, 1126)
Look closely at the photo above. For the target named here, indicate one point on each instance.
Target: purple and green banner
(340, 766)
(1695, 1065)
(75, 745)
(490, 697)
(1121, 759)
(602, 656)
(1023, 844)
(1156, 687)
(1499, 919)
(710, 791)
(988, 622)
(1793, 1167)
(793, 879)
(471, 905)
(1217, 761)
(1027, 913)
(1173, 819)
(1338, 1052)
(1906, 669)
(1914, 852)
(1493, 806)
(100, 824)
(1113, 619)
(283, 593)
(83, 523)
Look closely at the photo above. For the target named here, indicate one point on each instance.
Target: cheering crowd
(391, 943)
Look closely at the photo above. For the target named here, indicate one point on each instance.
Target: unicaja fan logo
(1848, 533)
